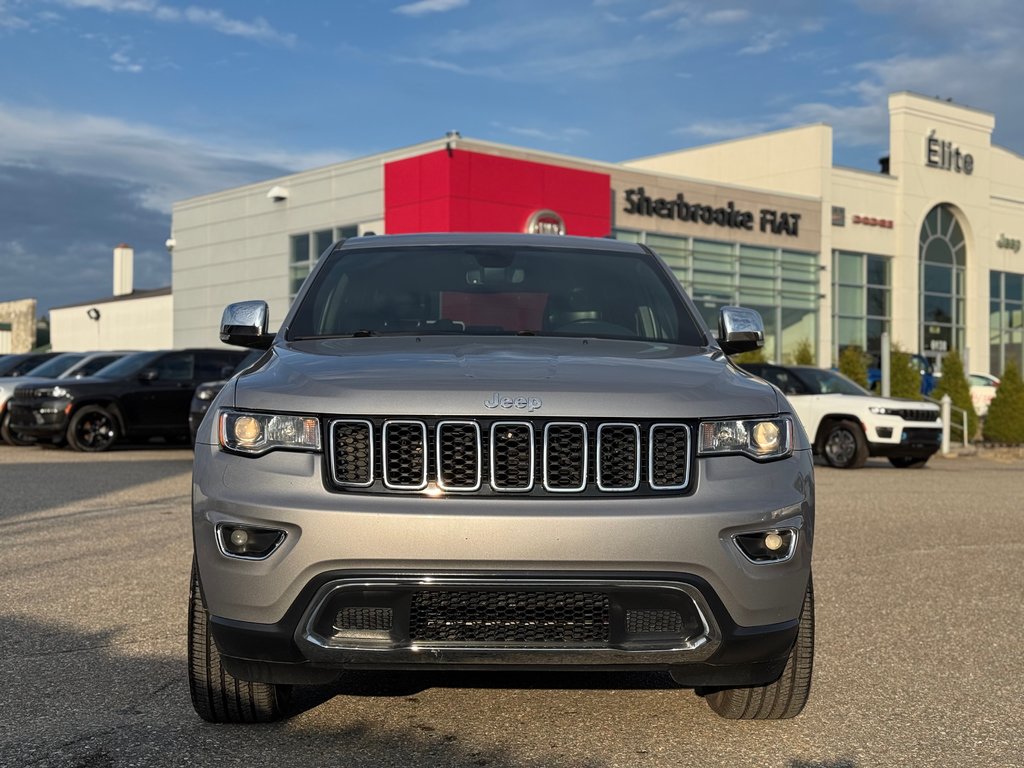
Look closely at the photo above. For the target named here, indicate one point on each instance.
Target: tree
(904, 378)
(954, 383)
(804, 353)
(853, 364)
(1004, 422)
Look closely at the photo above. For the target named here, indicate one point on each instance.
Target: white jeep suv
(847, 423)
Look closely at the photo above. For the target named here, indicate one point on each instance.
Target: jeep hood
(506, 377)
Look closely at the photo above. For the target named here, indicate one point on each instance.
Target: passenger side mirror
(244, 324)
(740, 330)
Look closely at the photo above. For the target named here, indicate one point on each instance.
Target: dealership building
(926, 247)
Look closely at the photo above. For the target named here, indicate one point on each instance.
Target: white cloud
(209, 18)
(120, 62)
(430, 6)
(165, 166)
(560, 135)
(727, 16)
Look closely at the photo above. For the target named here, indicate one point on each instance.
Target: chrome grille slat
(511, 470)
(352, 452)
(668, 450)
(618, 457)
(564, 441)
(404, 455)
(459, 458)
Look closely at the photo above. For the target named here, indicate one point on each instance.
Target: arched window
(943, 253)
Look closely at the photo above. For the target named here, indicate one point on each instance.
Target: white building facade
(927, 248)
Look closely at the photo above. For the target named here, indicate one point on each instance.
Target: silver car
(499, 452)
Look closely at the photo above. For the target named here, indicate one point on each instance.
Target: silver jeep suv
(499, 452)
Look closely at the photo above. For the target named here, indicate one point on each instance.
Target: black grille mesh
(654, 621)
(565, 465)
(670, 451)
(511, 457)
(458, 455)
(619, 451)
(559, 618)
(363, 619)
(352, 457)
(916, 414)
(405, 454)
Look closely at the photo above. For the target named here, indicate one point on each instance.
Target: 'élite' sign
(776, 222)
(947, 156)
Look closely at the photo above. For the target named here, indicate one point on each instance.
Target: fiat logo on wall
(545, 222)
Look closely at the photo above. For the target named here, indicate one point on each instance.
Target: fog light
(247, 542)
(767, 546)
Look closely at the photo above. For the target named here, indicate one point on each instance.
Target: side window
(95, 364)
(213, 366)
(780, 378)
(176, 366)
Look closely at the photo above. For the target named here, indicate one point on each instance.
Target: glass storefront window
(306, 248)
(861, 300)
(1006, 320)
(781, 285)
(943, 254)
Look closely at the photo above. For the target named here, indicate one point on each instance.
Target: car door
(158, 402)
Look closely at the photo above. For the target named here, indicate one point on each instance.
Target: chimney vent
(124, 258)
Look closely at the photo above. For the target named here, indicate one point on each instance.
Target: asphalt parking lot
(920, 601)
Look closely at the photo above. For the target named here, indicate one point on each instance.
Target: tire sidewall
(79, 416)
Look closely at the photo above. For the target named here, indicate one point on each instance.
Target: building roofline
(733, 140)
(146, 294)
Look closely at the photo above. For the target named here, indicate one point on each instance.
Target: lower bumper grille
(509, 617)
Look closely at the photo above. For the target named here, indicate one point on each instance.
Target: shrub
(1004, 422)
(804, 353)
(853, 364)
(954, 383)
(753, 356)
(905, 379)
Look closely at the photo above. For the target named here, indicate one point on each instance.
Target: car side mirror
(244, 324)
(149, 374)
(740, 329)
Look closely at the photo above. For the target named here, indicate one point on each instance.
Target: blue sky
(110, 110)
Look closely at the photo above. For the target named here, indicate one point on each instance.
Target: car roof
(493, 239)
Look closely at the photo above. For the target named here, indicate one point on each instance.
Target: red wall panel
(465, 191)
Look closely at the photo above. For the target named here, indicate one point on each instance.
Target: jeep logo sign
(529, 404)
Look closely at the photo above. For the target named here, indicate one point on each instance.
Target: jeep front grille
(915, 414)
(509, 457)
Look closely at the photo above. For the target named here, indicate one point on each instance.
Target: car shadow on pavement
(107, 698)
(20, 483)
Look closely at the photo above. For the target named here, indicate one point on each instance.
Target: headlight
(879, 410)
(758, 438)
(49, 392)
(256, 433)
(207, 393)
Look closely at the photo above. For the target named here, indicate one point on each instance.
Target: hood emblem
(519, 403)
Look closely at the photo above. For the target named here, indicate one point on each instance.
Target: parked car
(21, 363)
(208, 390)
(146, 394)
(983, 389)
(847, 423)
(18, 368)
(499, 451)
(929, 378)
(67, 365)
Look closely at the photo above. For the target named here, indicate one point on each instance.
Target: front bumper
(41, 419)
(902, 440)
(267, 615)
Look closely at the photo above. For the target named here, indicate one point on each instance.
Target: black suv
(146, 394)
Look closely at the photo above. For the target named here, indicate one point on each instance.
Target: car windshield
(127, 365)
(56, 366)
(486, 290)
(825, 382)
(9, 363)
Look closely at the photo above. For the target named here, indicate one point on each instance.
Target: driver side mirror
(244, 324)
(740, 330)
(149, 374)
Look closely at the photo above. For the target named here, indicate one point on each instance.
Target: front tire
(217, 696)
(92, 429)
(8, 436)
(787, 696)
(844, 446)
